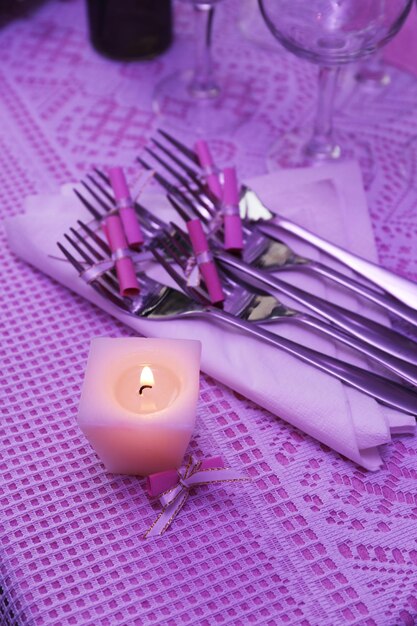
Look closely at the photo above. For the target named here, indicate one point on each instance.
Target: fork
(259, 245)
(242, 301)
(160, 302)
(276, 311)
(366, 330)
(246, 303)
(363, 328)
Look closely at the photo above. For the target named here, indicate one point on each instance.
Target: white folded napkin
(328, 200)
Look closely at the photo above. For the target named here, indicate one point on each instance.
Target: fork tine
(96, 214)
(198, 194)
(86, 244)
(192, 211)
(161, 243)
(109, 277)
(80, 250)
(144, 164)
(74, 262)
(180, 196)
(168, 266)
(201, 197)
(97, 240)
(170, 187)
(190, 172)
(104, 191)
(190, 154)
(102, 175)
(195, 294)
(180, 210)
(167, 243)
(96, 197)
(150, 218)
(181, 240)
(110, 291)
(177, 175)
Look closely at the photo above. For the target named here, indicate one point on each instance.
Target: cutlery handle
(365, 329)
(401, 288)
(382, 389)
(403, 369)
(386, 301)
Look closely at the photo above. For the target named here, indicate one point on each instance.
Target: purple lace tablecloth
(312, 540)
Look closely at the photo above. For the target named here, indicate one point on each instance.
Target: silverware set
(263, 230)
(252, 293)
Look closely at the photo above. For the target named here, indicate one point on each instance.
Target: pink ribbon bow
(173, 487)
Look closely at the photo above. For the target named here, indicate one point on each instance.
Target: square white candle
(138, 402)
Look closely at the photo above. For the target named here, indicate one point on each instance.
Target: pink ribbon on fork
(126, 275)
(96, 270)
(124, 204)
(172, 487)
(205, 261)
(192, 268)
(227, 195)
(209, 169)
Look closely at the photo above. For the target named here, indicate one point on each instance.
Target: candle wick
(144, 387)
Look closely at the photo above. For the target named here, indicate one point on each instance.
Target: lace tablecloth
(312, 540)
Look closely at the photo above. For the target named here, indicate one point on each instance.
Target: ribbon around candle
(195, 473)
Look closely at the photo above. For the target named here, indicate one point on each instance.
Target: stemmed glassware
(253, 27)
(196, 99)
(329, 33)
(373, 74)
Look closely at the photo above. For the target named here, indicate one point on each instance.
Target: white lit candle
(138, 402)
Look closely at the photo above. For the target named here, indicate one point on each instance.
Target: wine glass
(253, 27)
(329, 33)
(373, 74)
(196, 99)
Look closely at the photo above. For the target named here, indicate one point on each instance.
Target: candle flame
(146, 376)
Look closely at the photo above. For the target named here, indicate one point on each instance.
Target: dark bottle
(130, 29)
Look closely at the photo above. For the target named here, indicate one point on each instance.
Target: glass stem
(202, 83)
(322, 144)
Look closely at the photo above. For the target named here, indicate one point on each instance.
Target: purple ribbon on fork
(172, 487)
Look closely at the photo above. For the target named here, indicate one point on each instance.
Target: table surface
(312, 540)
